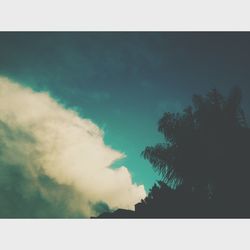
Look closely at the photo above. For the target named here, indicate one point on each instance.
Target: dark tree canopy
(206, 149)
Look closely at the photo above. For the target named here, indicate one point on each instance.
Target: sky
(118, 84)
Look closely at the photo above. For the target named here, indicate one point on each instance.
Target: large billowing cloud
(54, 163)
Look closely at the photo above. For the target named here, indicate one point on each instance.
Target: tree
(206, 149)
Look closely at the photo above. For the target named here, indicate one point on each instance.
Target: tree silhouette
(207, 151)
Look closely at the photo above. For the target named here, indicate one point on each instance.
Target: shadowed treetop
(206, 146)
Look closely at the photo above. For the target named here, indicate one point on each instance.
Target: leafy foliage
(207, 145)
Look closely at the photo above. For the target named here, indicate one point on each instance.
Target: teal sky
(124, 82)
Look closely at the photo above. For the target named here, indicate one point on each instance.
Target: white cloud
(42, 135)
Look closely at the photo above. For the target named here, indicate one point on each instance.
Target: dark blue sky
(125, 81)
